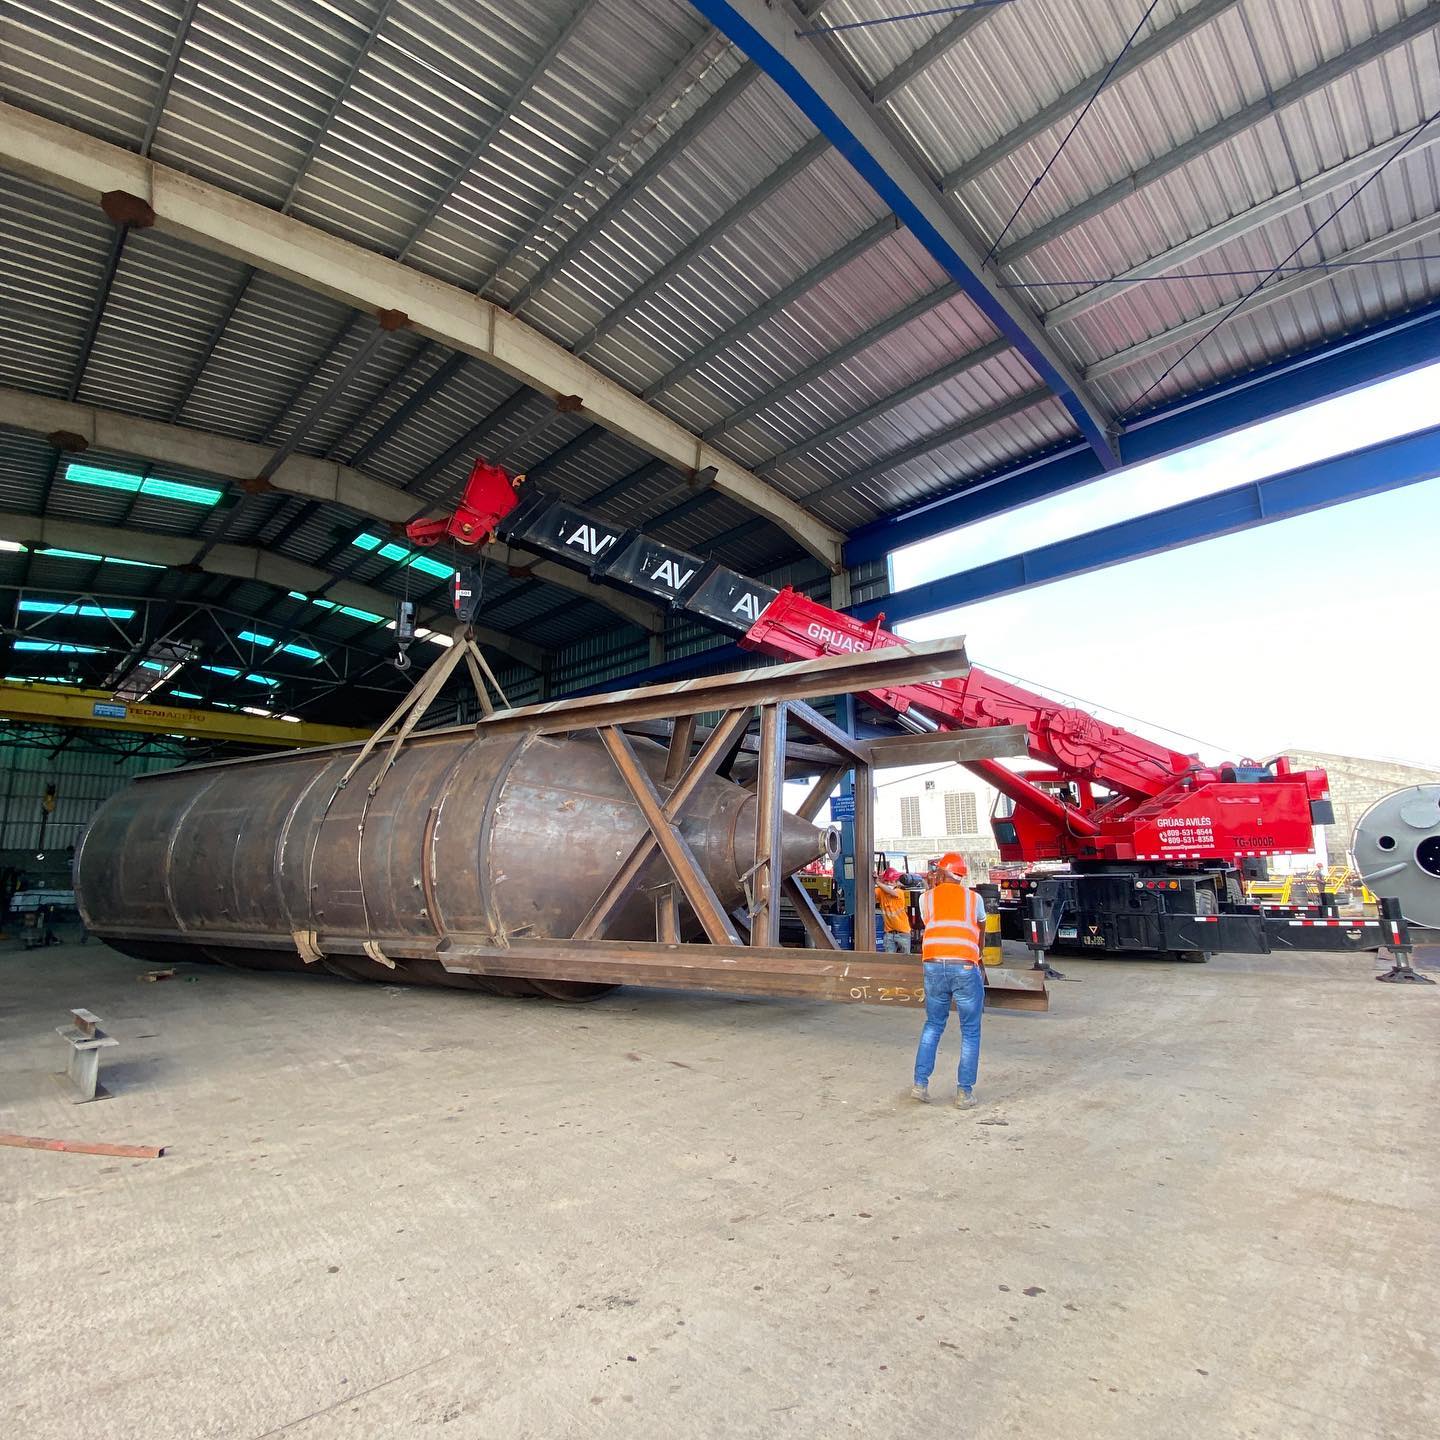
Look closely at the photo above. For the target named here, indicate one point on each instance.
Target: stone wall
(1355, 784)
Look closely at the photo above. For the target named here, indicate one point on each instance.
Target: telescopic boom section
(796, 627)
(1156, 805)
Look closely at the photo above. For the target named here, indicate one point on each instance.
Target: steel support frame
(736, 697)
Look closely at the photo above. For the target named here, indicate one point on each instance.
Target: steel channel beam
(905, 664)
(954, 747)
(769, 806)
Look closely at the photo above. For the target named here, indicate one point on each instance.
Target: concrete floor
(1197, 1201)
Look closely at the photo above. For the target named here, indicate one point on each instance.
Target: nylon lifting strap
(952, 932)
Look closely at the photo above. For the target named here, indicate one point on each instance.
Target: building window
(909, 815)
(960, 816)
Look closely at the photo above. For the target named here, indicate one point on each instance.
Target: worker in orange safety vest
(954, 917)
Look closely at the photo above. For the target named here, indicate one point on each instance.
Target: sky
(1317, 633)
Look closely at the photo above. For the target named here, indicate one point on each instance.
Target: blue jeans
(966, 984)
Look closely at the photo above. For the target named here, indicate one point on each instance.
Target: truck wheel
(1189, 957)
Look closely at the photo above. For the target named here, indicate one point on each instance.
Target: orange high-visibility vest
(952, 931)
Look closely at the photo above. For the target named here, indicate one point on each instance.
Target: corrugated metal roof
(609, 169)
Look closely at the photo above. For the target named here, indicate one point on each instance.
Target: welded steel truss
(741, 949)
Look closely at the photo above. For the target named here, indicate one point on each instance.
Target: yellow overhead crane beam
(99, 710)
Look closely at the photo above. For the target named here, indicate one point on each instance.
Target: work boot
(920, 1093)
(964, 1100)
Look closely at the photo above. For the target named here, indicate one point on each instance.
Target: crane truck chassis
(1151, 837)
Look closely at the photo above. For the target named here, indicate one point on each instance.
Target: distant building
(1355, 785)
(925, 813)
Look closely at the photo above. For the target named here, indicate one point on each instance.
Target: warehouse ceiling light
(253, 637)
(57, 647)
(185, 695)
(435, 637)
(388, 550)
(74, 607)
(350, 610)
(57, 554)
(143, 485)
(12, 546)
(42, 680)
(233, 674)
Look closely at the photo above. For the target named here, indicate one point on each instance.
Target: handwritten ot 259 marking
(899, 994)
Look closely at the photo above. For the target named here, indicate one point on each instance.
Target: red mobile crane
(1151, 836)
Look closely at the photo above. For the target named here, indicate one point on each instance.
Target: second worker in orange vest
(954, 917)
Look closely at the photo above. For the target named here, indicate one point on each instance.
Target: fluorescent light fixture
(142, 485)
(152, 665)
(303, 651)
(74, 607)
(234, 674)
(255, 710)
(350, 610)
(292, 719)
(56, 647)
(13, 547)
(401, 556)
(433, 636)
(185, 695)
(42, 679)
(92, 559)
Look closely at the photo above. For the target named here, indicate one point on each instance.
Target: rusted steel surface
(264, 863)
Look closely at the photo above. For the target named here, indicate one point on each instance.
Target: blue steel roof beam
(1156, 43)
(1391, 347)
(811, 74)
(1389, 465)
(1337, 177)
(1311, 83)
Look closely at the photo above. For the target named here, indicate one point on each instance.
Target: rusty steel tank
(497, 835)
